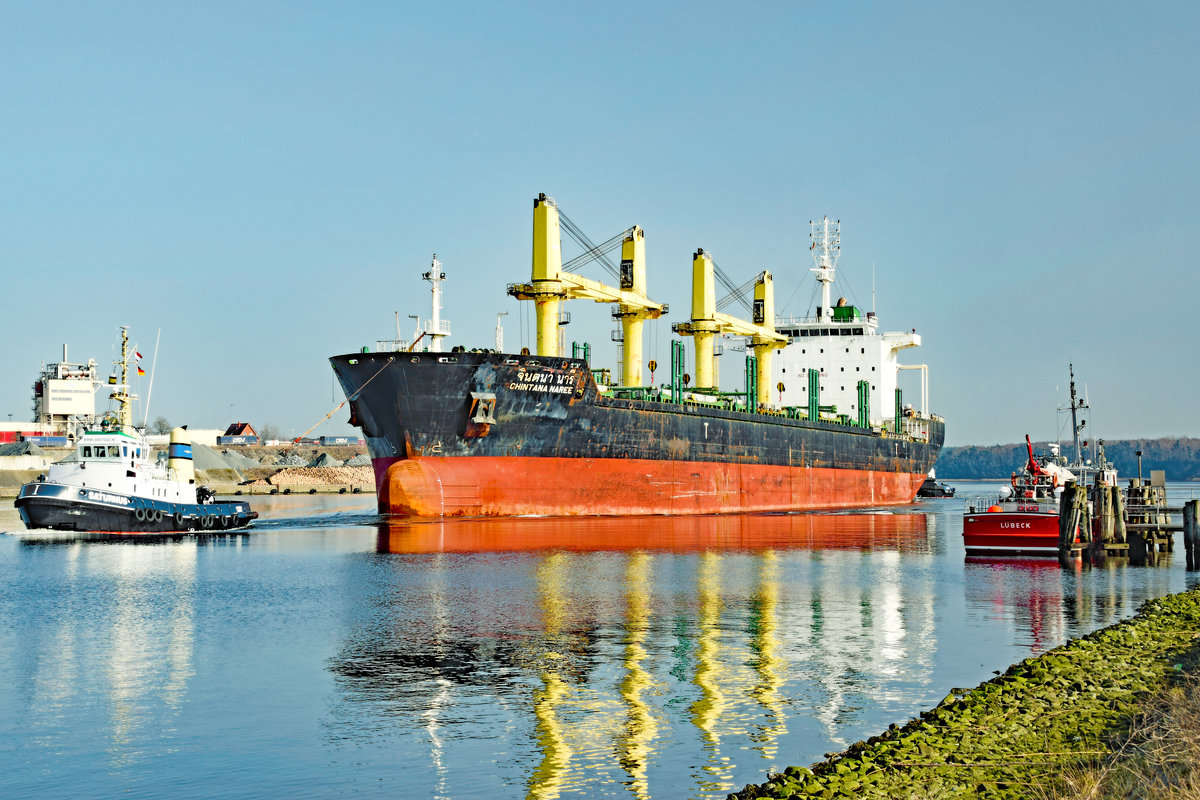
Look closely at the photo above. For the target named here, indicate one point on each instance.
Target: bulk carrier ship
(487, 433)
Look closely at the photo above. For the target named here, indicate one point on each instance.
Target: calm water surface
(331, 653)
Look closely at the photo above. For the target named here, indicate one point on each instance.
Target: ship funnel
(179, 456)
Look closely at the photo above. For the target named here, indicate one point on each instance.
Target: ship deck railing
(915, 428)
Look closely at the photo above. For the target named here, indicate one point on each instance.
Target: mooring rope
(347, 400)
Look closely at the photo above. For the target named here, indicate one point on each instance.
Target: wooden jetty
(1102, 521)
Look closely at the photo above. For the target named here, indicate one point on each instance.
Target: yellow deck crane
(707, 322)
(552, 284)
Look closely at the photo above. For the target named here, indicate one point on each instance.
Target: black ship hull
(489, 434)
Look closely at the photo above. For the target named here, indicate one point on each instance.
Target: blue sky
(265, 183)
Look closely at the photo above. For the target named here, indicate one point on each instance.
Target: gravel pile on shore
(208, 458)
(237, 460)
(320, 476)
(291, 460)
(325, 460)
(360, 460)
(21, 449)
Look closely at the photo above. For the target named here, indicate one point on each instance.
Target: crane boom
(707, 322)
(551, 285)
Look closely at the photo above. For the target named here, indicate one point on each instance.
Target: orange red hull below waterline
(513, 486)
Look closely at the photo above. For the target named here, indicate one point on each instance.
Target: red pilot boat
(1023, 519)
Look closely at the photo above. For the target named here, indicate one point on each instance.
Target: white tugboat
(112, 485)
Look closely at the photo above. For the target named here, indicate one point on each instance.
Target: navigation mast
(1076, 406)
(826, 247)
(120, 391)
(436, 329)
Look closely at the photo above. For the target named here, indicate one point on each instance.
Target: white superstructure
(843, 342)
(120, 462)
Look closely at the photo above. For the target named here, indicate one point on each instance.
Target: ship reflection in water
(840, 531)
(603, 652)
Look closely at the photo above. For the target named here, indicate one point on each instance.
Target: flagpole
(150, 390)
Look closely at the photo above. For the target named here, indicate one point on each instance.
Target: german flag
(141, 371)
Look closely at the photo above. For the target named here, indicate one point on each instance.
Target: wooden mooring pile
(1136, 522)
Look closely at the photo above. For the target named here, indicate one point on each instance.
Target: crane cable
(347, 400)
(594, 254)
(738, 294)
(593, 250)
(733, 292)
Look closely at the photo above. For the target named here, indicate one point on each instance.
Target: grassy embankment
(1112, 714)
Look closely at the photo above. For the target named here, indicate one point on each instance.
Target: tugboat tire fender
(140, 515)
(224, 520)
(178, 519)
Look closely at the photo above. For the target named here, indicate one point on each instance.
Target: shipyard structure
(819, 423)
(64, 404)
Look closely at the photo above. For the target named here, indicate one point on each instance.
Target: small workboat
(111, 484)
(931, 487)
(1024, 519)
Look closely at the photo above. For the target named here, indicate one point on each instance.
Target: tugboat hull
(72, 508)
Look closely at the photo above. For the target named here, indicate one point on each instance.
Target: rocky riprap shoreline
(1015, 736)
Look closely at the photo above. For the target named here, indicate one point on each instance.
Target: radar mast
(826, 246)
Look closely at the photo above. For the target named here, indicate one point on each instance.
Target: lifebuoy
(140, 515)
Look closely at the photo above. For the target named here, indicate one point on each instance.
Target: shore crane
(707, 322)
(551, 285)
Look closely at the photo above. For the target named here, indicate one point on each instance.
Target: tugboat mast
(1076, 405)
(121, 392)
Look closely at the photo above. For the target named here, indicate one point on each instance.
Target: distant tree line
(1180, 458)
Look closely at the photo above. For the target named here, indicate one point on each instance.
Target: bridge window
(85, 451)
